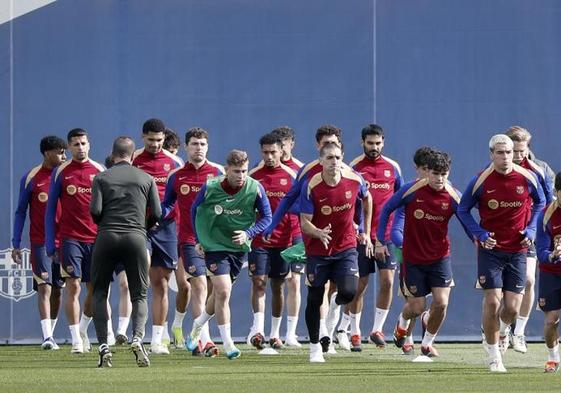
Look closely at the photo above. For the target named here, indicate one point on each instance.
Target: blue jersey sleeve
(538, 197)
(455, 209)
(396, 232)
(396, 201)
(463, 212)
(198, 200)
(306, 203)
(264, 208)
(170, 197)
(21, 211)
(543, 240)
(50, 213)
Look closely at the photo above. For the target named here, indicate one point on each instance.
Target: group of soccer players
(332, 222)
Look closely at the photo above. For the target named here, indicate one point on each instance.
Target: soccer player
(182, 188)
(224, 217)
(548, 245)
(383, 177)
(162, 239)
(521, 139)
(124, 202)
(71, 185)
(327, 206)
(502, 193)
(34, 188)
(265, 261)
(325, 134)
(428, 205)
(293, 280)
(172, 144)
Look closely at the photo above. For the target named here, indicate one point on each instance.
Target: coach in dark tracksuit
(121, 198)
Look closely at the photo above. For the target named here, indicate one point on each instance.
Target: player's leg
(125, 306)
(42, 283)
(87, 313)
(258, 268)
(386, 274)
(159, 279)
(317, 274)
(222, 289)
(279, 270)
(293, 302)
(355, 312)
(519, 336)
(514, 280)
(182, 299)
(551, 335)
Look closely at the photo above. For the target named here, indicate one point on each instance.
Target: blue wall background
(447, 73)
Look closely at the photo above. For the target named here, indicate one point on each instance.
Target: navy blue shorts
(367, 265)
(499, 269)
(419, 279)
(45, 271)
(220, 263)
(193, 263)
(297, 267)
(320, 269)
(162, 244)
(267, 262)
(76, 259)
(549, 292)
(532, 251)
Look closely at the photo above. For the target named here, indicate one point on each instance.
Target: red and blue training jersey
(548, 231)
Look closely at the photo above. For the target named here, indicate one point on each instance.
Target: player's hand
(266, 234)
(239, 238)
(380, 252)
(324, 235)
(525, 242)
(56, 257)
(369, 248)
(16, 256)
(490, 242)
(155, 227)
(199, 249)
(555, 255)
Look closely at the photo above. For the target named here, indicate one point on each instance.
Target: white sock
(205, 334)
(46, 328)
(503, 328)
(84, 323)
(428, 339)
(226, 336)
(165, 335)
(403, 323)
(202, 319)
(333, 315)
(157, 334)
(110, 328)
(178, 319)
(409, 340)
(53, 324)
(494, 352)
(355, 323)
(291, 324)
(258, 323)
(520, 325)
(123, 325)
(426, 317)
(275, 327)
(345, 322)
(379, 319)
(75, 333)
(322, 328)
(553, 354)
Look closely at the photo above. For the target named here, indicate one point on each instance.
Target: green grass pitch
(460, 368)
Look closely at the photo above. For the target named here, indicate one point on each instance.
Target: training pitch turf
(461, 367)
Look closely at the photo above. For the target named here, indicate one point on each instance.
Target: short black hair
(76, 132)
(558, 182)
(270, 139)
(284, 132)
(123, 147)
(197, 133)
(51, 142)
(421, 156)
(109, 161)
(372, 129)
(171, 140)
(327, 130)
(153, 125)
(439, 161)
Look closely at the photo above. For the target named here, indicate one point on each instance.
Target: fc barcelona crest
(445, 205)
(520, 189)
(283, 182)
(387, 173)
(16, 280)
(167, 167)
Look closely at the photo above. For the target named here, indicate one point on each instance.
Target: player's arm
(396, 201)
(154, 207)
(96, 203)
(264, 209)
(50, 212)
(463, 212)
(198, 200)
(455, 210)
(366, 198)
(536, 192)
(543, 242)
(396, 232)
(306, 216)
(547, 185)
(170, 196)
(19, 219)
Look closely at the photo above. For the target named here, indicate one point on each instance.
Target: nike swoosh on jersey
(183, 177)
(230, 200)
(323, 199)
(68, 177)
(41, 185)
(420, 200)
(490, 191)
(556, 226)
